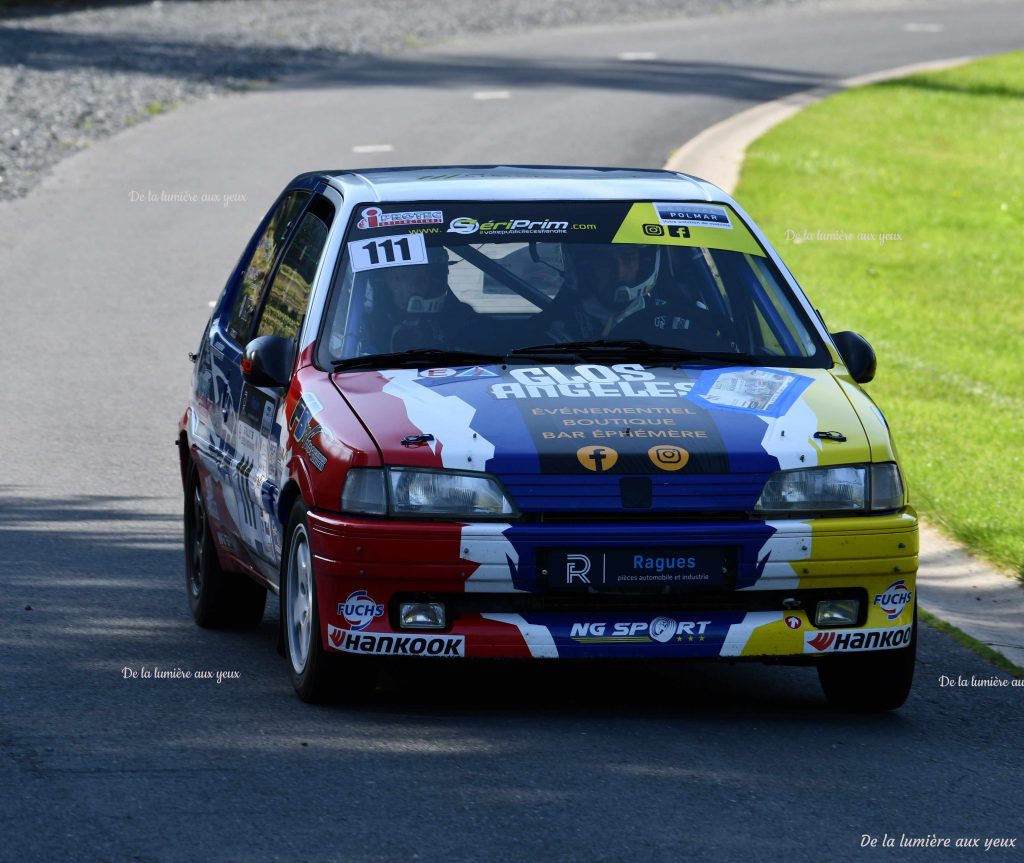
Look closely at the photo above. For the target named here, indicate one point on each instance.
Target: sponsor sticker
(437, 373)
(316, 456)
(710, 226)
(477, 372)
(577, 567)
(851, 641)
(312, 402)
(360, 610)
(467, 225)
(669, 458)
(627, 570)
(463, 225)
(623, 380)
(794, 622)
(894, 599)
(652, 436)
(663, 629)
(381, 644)
(693, 215)
(765, 392)
(597, 458)
(680, 231)
(305, 430)
(660, 629)
(374, 217)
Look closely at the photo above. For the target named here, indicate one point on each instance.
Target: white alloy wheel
(299, 600)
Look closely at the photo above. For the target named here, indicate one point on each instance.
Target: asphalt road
(104, 294)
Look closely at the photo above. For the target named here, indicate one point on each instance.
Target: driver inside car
(411, 306)
(674, 312)
(605, 285)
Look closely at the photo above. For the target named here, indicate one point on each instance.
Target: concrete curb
(958, 588)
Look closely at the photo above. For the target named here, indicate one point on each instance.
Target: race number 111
(395, 251)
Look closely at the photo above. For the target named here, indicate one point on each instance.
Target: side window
(289, 292)
(255, 275)
(783, 313)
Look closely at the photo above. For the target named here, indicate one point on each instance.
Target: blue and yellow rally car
(540, 412)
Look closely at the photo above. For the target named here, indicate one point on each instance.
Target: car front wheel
(317, 675)
(870, 682)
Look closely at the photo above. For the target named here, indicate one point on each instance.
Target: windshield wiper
(635, 349)
(416, 358)
(604, 349)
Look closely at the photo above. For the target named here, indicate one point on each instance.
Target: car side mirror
(267, 361)
(857, 354)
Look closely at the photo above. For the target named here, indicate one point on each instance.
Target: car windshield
(492, 278)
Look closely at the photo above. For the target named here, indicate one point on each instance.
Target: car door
(218, 382)
(259, 465)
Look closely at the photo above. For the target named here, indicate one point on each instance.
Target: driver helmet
(618, 275)
(411, 289)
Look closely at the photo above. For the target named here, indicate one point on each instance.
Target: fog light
(837, 612)
(422, 615)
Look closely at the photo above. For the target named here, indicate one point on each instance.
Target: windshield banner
(706, 225)
(712, 226)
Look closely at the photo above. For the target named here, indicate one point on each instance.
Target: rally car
(540, 412)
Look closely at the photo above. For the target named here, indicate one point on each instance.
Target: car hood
(566, 437)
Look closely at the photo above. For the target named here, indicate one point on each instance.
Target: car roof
(519, 183)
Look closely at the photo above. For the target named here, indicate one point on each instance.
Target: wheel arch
(289, 494)
(184, 457)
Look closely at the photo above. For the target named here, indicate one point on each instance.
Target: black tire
(218, 599)
(872, 682)
(319, 677)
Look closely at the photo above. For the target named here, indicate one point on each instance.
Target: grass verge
(900, 209)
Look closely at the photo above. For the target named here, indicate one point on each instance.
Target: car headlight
(845, 488)
(425, 493)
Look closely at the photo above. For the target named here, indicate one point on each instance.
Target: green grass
(937, 159)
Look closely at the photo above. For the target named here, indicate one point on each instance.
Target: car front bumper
(499, 602)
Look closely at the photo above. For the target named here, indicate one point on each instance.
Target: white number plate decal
(396, 251)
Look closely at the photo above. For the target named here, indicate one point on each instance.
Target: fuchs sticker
(894, 599)
(840, 641)
(693, 215)
(360, 610)
(374, 217)
(379, 644)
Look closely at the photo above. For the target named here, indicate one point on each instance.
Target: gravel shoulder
(70, 79)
